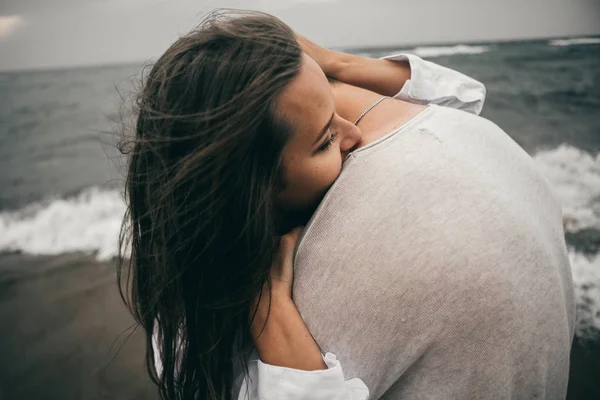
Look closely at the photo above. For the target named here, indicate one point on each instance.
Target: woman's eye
(327, 145)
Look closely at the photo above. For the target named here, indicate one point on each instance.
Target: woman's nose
(351, 138)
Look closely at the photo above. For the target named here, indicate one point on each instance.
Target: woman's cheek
(331, 171)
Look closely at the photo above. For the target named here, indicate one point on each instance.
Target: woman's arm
(403, 76)
(377, 75)
(280, 336)
(287, 363)
(290, 365)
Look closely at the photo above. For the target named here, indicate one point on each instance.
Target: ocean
(61, 177)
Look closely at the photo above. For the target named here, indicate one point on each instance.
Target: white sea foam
(575, 176)
(88, 222)
(586, 278)
(448, 50)
(571, 42)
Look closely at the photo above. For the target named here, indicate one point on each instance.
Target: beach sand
(64, 335)
(63, 330)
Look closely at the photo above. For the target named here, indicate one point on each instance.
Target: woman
(239, 135)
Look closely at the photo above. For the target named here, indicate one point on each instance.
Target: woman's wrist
(284, 340)
(334, 63)
(329, 60)
(377, 75)
(381, 76)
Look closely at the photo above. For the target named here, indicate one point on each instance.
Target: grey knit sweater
(436, 267)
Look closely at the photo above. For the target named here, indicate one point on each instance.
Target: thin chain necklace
(370, 108)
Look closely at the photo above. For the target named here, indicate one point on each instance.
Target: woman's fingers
(282, 270)
(324, 57)
(287, 243)
(282, 277)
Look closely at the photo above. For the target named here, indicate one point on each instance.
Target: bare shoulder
(351, 100)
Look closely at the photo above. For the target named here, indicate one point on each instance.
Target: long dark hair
(204, 163)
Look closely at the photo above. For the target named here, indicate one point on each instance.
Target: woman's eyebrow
(324, 130)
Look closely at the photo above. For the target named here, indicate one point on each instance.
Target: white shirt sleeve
(157, 362)
(268, 382)
(432, 83)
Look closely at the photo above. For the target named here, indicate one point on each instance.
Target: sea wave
(575, 177)
(586, 279)
(571, 42)
(448, 50)
(88, 222)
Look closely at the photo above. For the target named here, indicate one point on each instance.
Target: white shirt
(429, 84)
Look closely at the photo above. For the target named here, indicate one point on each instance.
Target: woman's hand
(281, 277)
(380, 76)
(279, 333)
(282, 270)
(327, 59)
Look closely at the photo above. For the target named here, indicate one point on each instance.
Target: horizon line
(407, 46)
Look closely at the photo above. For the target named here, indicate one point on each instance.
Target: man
(436, 266)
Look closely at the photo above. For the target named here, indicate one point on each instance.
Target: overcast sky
(52, 33)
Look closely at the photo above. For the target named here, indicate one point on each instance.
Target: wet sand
(61, 327)
(63, 335)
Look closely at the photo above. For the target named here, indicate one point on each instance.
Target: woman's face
(320, 139)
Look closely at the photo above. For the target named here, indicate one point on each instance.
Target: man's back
(436, 266)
